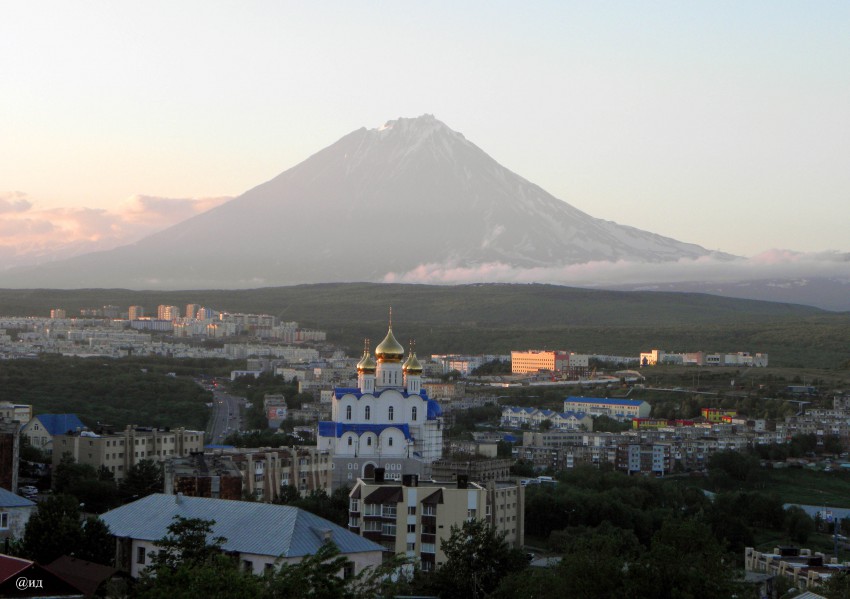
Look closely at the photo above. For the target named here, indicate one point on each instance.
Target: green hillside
(496, 318)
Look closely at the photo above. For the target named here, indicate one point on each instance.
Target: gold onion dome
(412, 365)
(389, 350)
(367, 363)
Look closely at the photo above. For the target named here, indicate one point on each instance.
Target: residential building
(261, 536)
(535, 418)
(16, 411)
(621, 409)
(58, 313)
(802, 568)
(717, 414)
(533, 361)
(10, 447)
(135, 312)
(275, 408)
(266, 471)
(164, 312)
(118, 452)
(411, 517)
(480, 470)
(387, 421)
(15, 512)
(200, 475)
(42, 428)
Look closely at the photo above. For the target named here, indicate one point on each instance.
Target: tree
(477, 558)
(143, 479)
(53, 530)
(96, 543)
(798, 524)
(190, 564)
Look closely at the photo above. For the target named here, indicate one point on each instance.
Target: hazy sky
(720, 123)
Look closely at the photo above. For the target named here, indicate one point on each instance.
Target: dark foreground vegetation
(155, 392)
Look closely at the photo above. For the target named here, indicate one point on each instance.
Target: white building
(387, 421)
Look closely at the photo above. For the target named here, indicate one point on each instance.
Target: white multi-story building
(387, 421)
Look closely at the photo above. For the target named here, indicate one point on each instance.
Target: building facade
(266, 471)
(118, 452)
(621, 409)
(412, 517)
(533, 361)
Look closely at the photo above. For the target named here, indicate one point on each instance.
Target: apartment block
(533, 361)
(120, 451)
(265, 471)
(411, 517)
(199, 475)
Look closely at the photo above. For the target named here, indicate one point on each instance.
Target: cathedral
(387, 421)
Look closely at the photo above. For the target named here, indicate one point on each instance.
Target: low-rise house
(15, 512)
(260, 535)
(43, 428)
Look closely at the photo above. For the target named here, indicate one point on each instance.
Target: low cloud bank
(772, 264)
(31, 235)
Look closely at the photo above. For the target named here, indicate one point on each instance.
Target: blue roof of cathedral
(337, 429)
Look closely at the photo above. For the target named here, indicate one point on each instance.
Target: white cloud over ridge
(771, 264)
(31, 235)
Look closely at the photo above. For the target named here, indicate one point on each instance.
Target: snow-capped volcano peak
(378, 201)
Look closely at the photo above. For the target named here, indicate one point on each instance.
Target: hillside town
(381, 430)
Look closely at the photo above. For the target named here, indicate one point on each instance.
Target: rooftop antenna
(391, 317)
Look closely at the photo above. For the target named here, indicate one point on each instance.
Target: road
(226, 415)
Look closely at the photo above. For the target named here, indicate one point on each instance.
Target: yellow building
(532, 361)
(412, 517)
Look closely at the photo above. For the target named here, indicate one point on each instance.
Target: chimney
(379, 475)
(462, 481)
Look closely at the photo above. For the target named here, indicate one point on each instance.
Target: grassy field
(497, 318)
(792, 485)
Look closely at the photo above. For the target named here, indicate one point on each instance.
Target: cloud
(29, 235)
(14, 201)
(767, 265)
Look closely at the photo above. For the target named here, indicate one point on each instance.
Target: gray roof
(9, 499)
(259, 528)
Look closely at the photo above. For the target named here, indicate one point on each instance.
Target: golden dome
(367, 364)
(412, 365)
(389, 350)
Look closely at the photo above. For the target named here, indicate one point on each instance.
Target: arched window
(349, 441)
(391, 412)
(348, 412)
(390, 440)
(413, 413)
(368, 414)
(368, 439)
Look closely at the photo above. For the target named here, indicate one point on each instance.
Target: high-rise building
(387, 421)
(192, 310)
(164, 312)
(135, 312)
(58, 313)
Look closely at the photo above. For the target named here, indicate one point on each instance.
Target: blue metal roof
(58, 424)
(259, 528)
(9, 499)
(605, 400)
(337, 429)
(434, 410)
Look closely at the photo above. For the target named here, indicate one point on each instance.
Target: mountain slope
(377, 201)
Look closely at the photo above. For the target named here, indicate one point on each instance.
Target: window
(348, 570)
(368, 439)
(4, 520)
(355, 505)
(348, 412)
(470, 514)
(390, 441)
(411, 546)
(388, 529)
(429, 510)
(350, 441)
(248, 565)
(413, 413)
(140, 555)
(429, 548)
(391, 411)
(368, 414)
(411, 510)
(411, 528)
